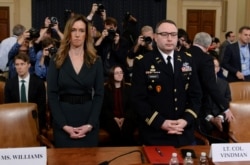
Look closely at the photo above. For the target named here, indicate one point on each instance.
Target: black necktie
(23, 92)
(169, 65)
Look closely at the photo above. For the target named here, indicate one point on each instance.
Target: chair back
(238, 128)
(240, 90)
(2, 85)
(18, 125)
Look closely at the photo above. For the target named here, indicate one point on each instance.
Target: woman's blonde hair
(89, 50)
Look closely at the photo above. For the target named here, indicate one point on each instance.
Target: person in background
(43, 57)
(111, 46)
(144, 44)
(182, 39)
(25, 45)
(237, 57)
(166, 91)
(205, 69)
(212, 118)
(230, 38)
(34, 88)
(7, 44)
(213, 49)
(75, 87)
(117, 116)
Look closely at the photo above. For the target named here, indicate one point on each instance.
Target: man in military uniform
(166, 91)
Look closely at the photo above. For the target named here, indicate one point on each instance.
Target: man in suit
(237, 57)
(230, 38)
(205, 70)
(34, 88)
(211, 115)
(165, 91)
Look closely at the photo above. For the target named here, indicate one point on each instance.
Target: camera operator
(43, 57)
(97, 9)
(144, 44)
(111, 46)
(51, 25)
(24, 44)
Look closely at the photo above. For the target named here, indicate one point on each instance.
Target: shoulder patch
(139, 57)
(188, 54)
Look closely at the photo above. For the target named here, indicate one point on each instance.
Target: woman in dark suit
(75, 87)
(117, 116)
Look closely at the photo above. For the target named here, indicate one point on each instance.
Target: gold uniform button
(175, 99)
(175, 90)
(176, 108)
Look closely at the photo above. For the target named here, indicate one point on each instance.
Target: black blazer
(206, 74)
(108, 104)
(36, 94)
(231, 61)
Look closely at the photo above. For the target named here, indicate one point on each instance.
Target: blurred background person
(43, 57)
(230, 38)
(111, 46)
(143, 45)
(24, 44)
(7, 44)
(117, 116)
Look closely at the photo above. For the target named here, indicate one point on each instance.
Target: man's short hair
(18, 29)
(228, 34)
(203, 39)
(244, 28)
(22, 56)
(110, 21)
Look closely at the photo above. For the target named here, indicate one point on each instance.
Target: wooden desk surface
(94, 156)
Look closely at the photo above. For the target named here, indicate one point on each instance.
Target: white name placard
(228, 152)
(23, 156)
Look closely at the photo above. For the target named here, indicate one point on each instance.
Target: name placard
(228, 152)
(23, 156)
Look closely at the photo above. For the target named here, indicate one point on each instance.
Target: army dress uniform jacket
(159, 95)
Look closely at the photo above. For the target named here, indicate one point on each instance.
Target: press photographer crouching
(49, 49)
(111, 46)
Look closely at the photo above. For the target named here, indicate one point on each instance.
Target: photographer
(51, 25)
(43, 57)
(24, 44)
(111, 46)
(97, 9)
(144, 44)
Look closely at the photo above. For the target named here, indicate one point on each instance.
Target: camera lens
(147, 40)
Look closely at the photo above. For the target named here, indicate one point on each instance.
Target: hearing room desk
(96, 155)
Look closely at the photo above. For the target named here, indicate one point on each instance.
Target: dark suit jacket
(232, 61)
(205, 69)
(36, 94)
(160, 96)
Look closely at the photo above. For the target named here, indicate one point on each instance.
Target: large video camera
(34, 33)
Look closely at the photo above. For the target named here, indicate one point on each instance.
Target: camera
(100, 8)
(52, 50)
(147, 40)
(111, 34)
(127, 16)
(53, 21)
(34, 33)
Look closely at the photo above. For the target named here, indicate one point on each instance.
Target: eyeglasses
(116, 73)
(166, 34)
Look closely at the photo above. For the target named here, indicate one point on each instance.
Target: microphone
(107, 162)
